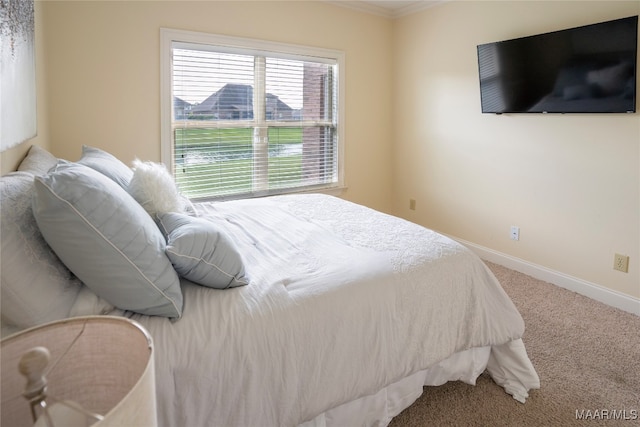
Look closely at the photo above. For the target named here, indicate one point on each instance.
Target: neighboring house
(181, 108)
(235, 102)
(278, 110)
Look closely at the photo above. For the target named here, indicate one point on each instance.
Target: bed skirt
(466, 366)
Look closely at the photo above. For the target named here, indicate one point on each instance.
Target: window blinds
(492, 97)
(252, 122)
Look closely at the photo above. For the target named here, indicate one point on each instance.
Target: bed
(327, 313)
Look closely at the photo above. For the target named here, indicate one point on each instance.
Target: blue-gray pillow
(202, 253)
(106, 239)
(107, 164)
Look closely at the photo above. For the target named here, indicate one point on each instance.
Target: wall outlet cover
(621, 263)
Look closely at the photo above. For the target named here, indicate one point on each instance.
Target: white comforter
(343, 301)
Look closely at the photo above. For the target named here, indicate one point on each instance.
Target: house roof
(180, 103)
(231, 97)
(236, 98)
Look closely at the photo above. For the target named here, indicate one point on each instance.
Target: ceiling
(388, 8)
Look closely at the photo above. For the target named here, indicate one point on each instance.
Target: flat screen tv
(588, 69)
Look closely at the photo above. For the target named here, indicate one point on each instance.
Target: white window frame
(170, 36)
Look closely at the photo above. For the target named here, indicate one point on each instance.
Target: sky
(199, 74)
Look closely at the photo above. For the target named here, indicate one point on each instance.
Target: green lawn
(284, 135)
(208, 159)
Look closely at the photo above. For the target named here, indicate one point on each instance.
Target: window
(492, 91)
(243, 118)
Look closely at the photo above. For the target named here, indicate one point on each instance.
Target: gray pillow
(106, 239)
(38, 161)
(202, 253)
(107, 164)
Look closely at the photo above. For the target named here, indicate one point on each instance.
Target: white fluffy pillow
(154, 188)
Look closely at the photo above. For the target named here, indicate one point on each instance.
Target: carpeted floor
(586, 353)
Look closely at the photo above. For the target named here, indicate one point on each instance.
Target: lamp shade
(103, 363)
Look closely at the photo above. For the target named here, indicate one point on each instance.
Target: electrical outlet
(412, 204)
(515, 233)
(621, 263)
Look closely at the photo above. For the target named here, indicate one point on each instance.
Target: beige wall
(570, 182)
(103, 77)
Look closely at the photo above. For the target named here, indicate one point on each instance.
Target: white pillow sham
(36, 287)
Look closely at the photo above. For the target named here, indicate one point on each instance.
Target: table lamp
(94, 370)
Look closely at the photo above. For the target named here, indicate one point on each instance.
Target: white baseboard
(583, 287)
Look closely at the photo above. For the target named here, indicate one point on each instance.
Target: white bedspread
(343, 301)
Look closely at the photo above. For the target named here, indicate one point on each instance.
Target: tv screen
(589, 69)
